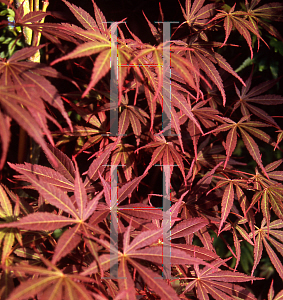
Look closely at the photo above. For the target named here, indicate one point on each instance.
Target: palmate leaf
(177, 99)
(185, 70)
(51, 284)
(228, 202)
(10, 103)
(196, 14)
(124, 155)
(77, 207)
(205, 116)
(135, 250)
(22, 73)
(81, 209)
(50, 192)
(101, 64)
(99, 164)
(132, 115)
(22, 91)
(236, 19)
(155, 282)
(154, 84)
(97, 42)
(166, 154)
(204, 58)
(122, 210)
(33, 20)
(269, 191)
(220, 284)
(246, 127)
(92, 135)
(265, 234)
(210, 70)
(248, 96)
(152, 55)
(260, 15)
(236, 228)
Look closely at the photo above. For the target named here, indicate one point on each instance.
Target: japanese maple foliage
(94, 222)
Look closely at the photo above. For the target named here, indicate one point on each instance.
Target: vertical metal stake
(114, 225)
(114, 82)
(166, 223)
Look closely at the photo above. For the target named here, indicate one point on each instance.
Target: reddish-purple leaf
(273, 165)
(51, 193)
(141, 211)
(153, 29)
(67, 242)
(82, 16)
(80, 193)
(98, 165)
(201, 291)
(91, 206)
(231, 142)
(279, 296)
(128, 188)
(26, 121)
(64, 164)
(196, 251)
(277, 205)
(228, 276)
(100, 69)
(233, 289)
(207, 66)
(5, 137)
(125, 281)
(124, 121)
(265, 207)
(40, 221)
(237, 248)
(187, 227)
(33, 16)
(46, 175)
(253, 149)
(30, 288)
(227, 203)
(100, 19)
(274, 259)
(155, 282)
(85, 49)
(257, 251)
(144, 239)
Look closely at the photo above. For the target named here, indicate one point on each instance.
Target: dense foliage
(208, 137)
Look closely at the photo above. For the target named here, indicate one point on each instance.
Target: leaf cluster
(139, 217)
